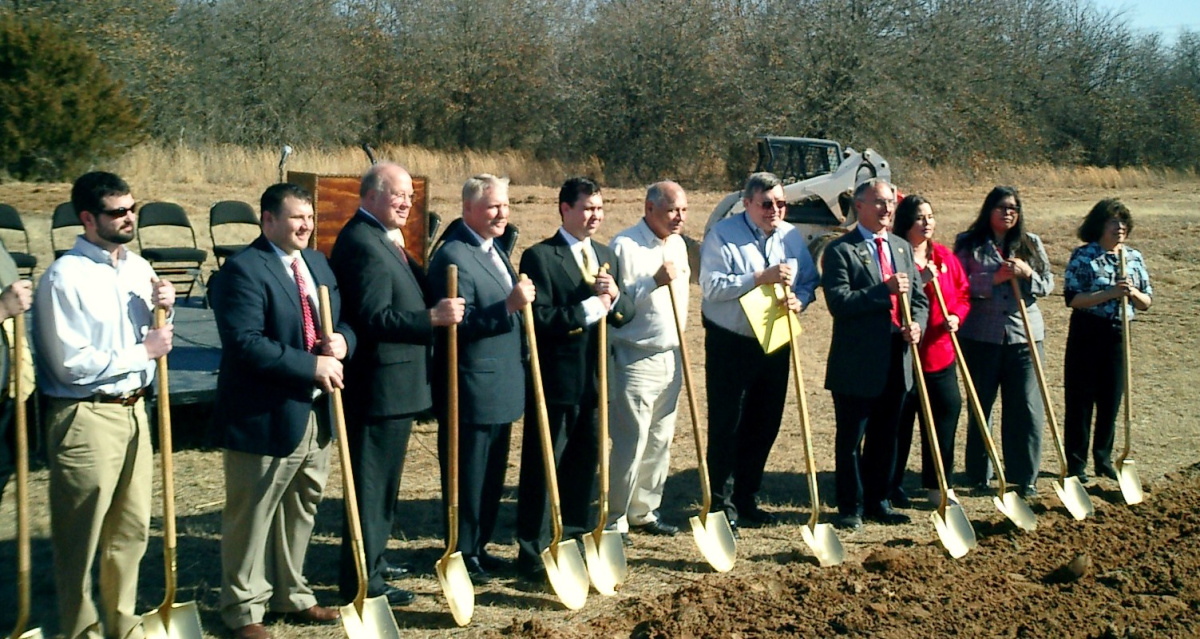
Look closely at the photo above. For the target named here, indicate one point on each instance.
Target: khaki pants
(101, 469)
(270, 508)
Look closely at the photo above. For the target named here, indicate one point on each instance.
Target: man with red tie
(273, 413)
(870, 366)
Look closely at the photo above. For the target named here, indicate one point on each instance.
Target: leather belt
(128, 399)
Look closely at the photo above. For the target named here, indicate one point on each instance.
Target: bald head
(386, 192)
(666, 208)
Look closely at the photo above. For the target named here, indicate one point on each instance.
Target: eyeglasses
(1006, 208)
(120, 212)
(882, 201)
(395, 195)
(770, 205)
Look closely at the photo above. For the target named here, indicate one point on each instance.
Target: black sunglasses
(121, 212)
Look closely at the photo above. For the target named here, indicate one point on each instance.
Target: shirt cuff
(593, 310)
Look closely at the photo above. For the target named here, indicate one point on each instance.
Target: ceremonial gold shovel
(1127, 475)
(1008, 503)
(820, 538)
(564, 566)
(603, 549)
(22, 476)
(171, 620)
(451, 569)
(365, 617)
(1070, 490)
(712, 531)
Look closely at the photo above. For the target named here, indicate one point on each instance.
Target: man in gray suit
(491, 374)
(870, 365)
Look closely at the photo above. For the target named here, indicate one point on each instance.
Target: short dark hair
(760, 182)
(272, 199)
(1092, 228)
(92, 187)
(906, 214)
(575, 187)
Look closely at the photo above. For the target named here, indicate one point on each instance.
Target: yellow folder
(768, 316)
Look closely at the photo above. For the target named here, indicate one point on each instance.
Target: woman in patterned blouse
(995, 251)
(1093, 376)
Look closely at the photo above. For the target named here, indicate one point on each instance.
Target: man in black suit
(272, 412)
(387, 383)
(870, 366)
(571, 299)
(491, 377)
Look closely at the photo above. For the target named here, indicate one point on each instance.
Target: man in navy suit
(870, 363)
(272, 413)
(387, 383)
(491, 374)
(572, 299)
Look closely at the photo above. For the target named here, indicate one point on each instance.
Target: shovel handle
(935, 449)
(810, 462)
(1127, 366)
(22, 476)
(543, 417)
(1036, 357)
(166, 451)
(451, 420)
(693, 407)
(349, 495)
(972, 396)
(602, 417)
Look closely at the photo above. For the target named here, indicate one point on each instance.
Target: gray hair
(759, 183)
(372, 180)
(866, 185)
(477, 185)
(658, 193)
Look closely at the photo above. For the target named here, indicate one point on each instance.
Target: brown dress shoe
(252, 631)
(315, 615)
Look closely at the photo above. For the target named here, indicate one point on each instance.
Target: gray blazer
(995, 317)
(859, 352)
(491, 374)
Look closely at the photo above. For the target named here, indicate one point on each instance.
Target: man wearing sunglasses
(96, 352)
(745, 400)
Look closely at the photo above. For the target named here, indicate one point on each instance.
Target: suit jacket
(861, 307)
(567, 348)
(491, 376)
(265, 385)
(384, 291)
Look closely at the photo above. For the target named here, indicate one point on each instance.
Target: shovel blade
(33, 633)
(824, 543)
(715, 539)
(1017, 510)
(567, 574)
(1074, 497)
(182, 621)
(1131, 484)
(375, 620)
(456, 585)
(954, 530)
(606, 564)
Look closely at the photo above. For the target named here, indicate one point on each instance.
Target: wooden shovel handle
(451, 420)
(166, 451)
(602, 416)
(543, 422)
(1127, 367)
(694, 408)
(810, 461)
(935, 449)
(22, 476)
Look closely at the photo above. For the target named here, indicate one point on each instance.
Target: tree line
(651, 88)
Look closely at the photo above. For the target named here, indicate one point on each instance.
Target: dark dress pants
(377, 452)
(945, 402)
(573, 437)
(1093, 377)
(746, 392)
(865, 443)
(1006, 369)
(482, 461)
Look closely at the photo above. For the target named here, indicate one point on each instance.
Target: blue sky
(1165, 16)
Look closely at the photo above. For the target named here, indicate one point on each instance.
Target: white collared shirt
(641, 253)
(488, 247)
(874, 248)
(91, 317)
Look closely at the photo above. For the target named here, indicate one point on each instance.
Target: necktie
(503, 270)
(310, 326)
(589, 272)
(885, 269)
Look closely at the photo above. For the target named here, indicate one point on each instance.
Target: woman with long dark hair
(915, 222)
(1093, 372)
(995, 251)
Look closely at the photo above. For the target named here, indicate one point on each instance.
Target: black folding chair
(173, 260)
(10, 220)
(234, 213)
(64, 218)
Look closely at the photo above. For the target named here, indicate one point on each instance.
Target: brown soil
(1138, 576)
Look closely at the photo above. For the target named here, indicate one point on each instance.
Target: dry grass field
(670, 591)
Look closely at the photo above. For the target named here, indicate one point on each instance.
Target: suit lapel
(274, 266)
(864, 255)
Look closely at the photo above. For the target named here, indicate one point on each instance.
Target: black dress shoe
(395, 596)
(754, 516)
(852, 523)
(492, 562)
(656, 527)
(1106, 471)
(733, 527)
(395, 572)
(887, 515)
(479, 576)
(531, 571)
(900, 499)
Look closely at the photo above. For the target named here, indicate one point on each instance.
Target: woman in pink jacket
(914, 221)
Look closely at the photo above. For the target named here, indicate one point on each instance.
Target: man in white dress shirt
(96, 352)
(646, 373)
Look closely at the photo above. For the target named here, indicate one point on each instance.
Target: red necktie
(885, 269)
(310, 326)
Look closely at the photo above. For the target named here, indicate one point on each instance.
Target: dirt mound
(1128, 572)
